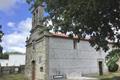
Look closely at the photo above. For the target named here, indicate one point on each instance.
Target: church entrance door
(33, 70)
(100, 68)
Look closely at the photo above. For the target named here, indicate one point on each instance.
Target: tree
(100, 19)
(13, 52)
(1, 35)
(2, 56)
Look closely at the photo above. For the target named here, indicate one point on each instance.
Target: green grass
(109, 76)
(106, 76)
(12, 77)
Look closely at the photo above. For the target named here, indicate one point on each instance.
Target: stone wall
(38, 54)
(28, 62)
(11, 69)
(40, 60)
(65, 60)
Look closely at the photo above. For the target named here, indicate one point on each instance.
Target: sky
(15, 19)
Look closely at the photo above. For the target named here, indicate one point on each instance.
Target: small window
(74, 44)
(41, 69)
(33, 44)
(37, 11)
(33, 19)
(33, 14)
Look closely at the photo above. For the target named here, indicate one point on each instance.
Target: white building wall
(14, 60)
(4, 62)
(64, 59)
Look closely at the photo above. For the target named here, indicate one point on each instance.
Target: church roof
(64, 36)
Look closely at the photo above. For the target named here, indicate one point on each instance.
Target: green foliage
(97, 18)
(13, 53)
(4, 56)
(1, 49)
(1, 35)
(112, 58)
(34, 3)
(113, 67)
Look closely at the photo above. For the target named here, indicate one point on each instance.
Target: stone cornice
(37, 40)
(35, 28)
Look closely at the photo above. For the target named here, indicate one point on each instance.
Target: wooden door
(100, 68)
(33, 70)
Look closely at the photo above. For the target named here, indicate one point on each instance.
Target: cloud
(15, 41)
(11, 24)
(6, 4)
(9, 4)
(25, 25)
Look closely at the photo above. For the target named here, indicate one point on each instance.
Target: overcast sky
(15, 19)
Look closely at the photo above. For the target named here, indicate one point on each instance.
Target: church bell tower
(37, 17)
(37, 24)
(35, 46)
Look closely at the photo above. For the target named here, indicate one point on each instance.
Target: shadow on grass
(114, 78)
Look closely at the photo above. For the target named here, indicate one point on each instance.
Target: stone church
(51, 56)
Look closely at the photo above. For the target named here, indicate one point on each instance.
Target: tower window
(37, 11)
(34, 17)
(41, 69)
(33, 44)
(37, 14)
(33, 14)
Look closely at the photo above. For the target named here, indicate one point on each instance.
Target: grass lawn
(109, 76)
(12, 77)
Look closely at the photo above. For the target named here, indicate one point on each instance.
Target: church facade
(52, 56)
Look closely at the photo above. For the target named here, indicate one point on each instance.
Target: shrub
(113, 67)
(4, 56)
